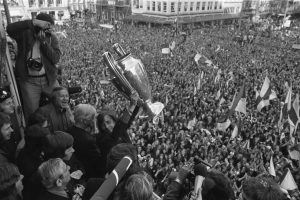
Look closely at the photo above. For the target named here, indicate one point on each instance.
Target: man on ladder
(38, 53)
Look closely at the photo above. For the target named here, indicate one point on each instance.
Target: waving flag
(241, 106)
(293, 113)
(288, 181)
(272, 168)
(239, 102)
(265, 95)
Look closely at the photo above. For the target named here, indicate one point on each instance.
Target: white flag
(272, 168)
(288, 182)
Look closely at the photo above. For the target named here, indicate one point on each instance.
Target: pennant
(272, 168)
(288, 181)
(265, 95)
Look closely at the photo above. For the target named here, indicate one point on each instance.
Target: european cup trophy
(129, 75)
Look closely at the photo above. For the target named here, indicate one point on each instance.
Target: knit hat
(9, 175)
(45, 17)
(4, 94)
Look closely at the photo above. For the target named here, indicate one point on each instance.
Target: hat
(45, 17)
(4, 94)
(9, 175)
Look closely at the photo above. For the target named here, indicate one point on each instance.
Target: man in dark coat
(38, 53)
(86, 149)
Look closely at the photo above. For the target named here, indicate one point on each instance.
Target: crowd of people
(187, 127)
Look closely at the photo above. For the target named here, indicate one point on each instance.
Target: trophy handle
(119, 81)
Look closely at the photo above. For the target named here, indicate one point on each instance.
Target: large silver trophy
(129, 75)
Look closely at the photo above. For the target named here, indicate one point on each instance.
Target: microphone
(113, 179)
(200, 173)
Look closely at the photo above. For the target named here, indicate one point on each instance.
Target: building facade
(81, 7)
(16, 8)
(57, 8)
(110, 10)
(185, 11)
(265, 7)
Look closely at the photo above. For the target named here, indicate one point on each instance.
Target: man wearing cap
(38, 53)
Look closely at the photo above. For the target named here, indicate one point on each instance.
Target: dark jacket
(58, 120)
(23, 33)
(45, 195)
(106, 141)
(7, 153)
(87, 151)
(174, 191)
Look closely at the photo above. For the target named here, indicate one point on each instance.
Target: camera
(33, 64)
(47, 32)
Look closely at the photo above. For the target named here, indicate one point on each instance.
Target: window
(210, 5)
(220, 6)
(172, 7)
(165, 6)
(203, 5)
(216, 5)
(148, 5)
(153, 5)
(58, 2)
(179, 6)
(191, 6)
(185, 6)
(159, 6)
(198, 6)
(141, 4)
(238, 9)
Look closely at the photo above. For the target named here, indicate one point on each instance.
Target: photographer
(38, 53)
